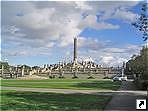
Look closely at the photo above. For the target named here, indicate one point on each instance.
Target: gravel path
(126, 102)
(67, 91)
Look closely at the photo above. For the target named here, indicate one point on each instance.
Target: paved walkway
(68, 91)
(126, 102)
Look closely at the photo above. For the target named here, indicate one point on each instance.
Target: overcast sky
(36, 33)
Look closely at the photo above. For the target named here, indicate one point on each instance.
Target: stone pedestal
(30, 72)
(23, 71)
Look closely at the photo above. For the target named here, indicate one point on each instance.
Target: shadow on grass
(103, 85)
(24, 101)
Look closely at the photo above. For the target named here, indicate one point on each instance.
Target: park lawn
(39, 101)
(90, 84)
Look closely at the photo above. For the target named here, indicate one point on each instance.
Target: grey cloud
(127, 49)
(110, 56)
(48, 20)
(54, 24)
(92, 44)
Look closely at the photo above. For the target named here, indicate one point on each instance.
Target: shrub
(106, 77)
(90, 77)
(60, 77)
(74, 77)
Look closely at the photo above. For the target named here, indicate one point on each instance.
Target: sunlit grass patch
(64, 84)
(25, 101)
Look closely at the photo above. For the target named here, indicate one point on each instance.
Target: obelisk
(75, 52)
(75, 63)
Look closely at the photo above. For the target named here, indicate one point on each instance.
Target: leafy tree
(138, 64)
(142, 22)
(144, 56)
(5, 65)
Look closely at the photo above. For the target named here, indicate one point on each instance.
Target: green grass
(64, 84)
(36, 101)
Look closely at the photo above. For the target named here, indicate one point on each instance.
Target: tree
(144, 56)
(138, 66)
(142, 22)
(5, 65)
